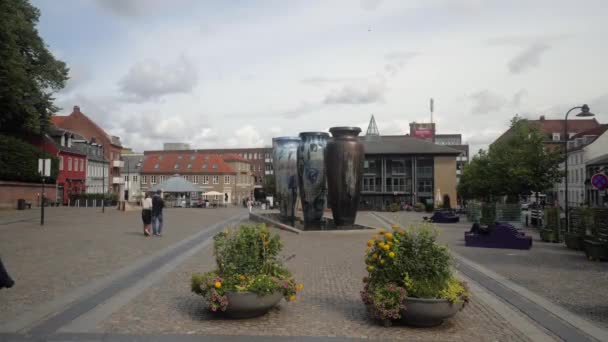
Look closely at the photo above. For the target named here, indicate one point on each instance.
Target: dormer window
(63, 140)
(176, 166)
(214, 166)
(205, 166)
(157, 166)
(189, 166)
(179, 157)
(192, 157)
(556, 137)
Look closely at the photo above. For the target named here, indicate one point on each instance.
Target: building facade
(97, 167)
(407, 170)
(131, 174)
(229, 174)
(111, 146)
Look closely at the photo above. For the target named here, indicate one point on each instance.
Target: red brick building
(71, 178)
(81, 124)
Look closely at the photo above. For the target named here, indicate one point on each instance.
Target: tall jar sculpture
(344, 159)
(284, 154)
(312, 176)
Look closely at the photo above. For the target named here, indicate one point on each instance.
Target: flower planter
(423, 312)
(248, 304)
(596, 250)
(548, 235)
(574, 241)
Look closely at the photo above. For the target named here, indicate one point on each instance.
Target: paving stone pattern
(330, 264)
(551, 270)
(78, 245)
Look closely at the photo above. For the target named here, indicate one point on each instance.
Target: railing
(118, 180)
(118, 163)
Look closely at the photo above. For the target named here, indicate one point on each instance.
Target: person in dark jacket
(5, 279)
(157, 214)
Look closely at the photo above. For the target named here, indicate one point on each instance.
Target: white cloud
(357, 93)
(247, 136)
(149, 80)
(486, 102)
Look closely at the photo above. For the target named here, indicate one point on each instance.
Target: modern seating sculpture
(444, 216)
(499, 235)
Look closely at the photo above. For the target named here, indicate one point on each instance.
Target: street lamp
(583, 113)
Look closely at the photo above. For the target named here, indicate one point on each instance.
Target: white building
(131, 173)
(583, 148)
(98, 180)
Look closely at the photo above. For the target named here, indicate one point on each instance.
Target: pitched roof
(404, 145)
(557, 126)
(234, 157)
(185, 163)
(57, 120)
(599, 130)
(64, 122)
(176, 184)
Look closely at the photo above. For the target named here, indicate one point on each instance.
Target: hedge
(83, 197)
(19, 161)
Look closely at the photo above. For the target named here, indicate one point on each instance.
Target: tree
(29, 73)
(518, 164)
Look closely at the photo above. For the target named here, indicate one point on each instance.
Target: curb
(260, 218)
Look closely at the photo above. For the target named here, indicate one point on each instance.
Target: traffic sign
(599, 181)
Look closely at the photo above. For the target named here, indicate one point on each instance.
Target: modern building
(587, 153)
(176, 146)
(131, 173)
(455, 141)
(229, 174)
(71, 178)
(81, 124)
(404, 169)
(553, 130)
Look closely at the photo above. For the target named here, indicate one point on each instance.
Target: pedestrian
(157, 214)
(250, 205)
(146, 214)
(5, 279)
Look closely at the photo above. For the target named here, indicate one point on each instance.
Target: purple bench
(445, 216)
(499, 235)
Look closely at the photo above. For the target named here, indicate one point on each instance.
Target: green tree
(518, 164)
(29, 74)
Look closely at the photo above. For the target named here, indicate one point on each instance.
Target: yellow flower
(370, 243)
(374, 236)
(370, 268)
(391, 254)
(395, 227)
(401, 232)
(375, 256)
(386, 247)
(382, 231)
(300, 287)
(382, 262)
(292, 298)
(218, 284)
(390, 244)
(389, 236)
(241, 278)
(381, 244)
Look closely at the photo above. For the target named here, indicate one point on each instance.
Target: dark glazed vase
(284, 154)
(344, 159)
(312, 176)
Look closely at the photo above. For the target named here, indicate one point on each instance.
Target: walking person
(146, 214)
(5, 279)
(157, 214)
(249, 204)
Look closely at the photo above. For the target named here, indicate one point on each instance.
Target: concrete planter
(596, 250)
(422, 312)
(248, 304)
(574, 241)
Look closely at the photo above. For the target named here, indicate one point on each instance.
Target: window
(205, 179)
(425, 186)
(152, 179)
(189, 166)
(205, 166)
(135, 178)
(192, 157)
(126, 178)
(216, 179)
(214, 166)
(185, 177)
(81, 165)
(111, 155)
(176, 166)
(195, 179)
(60, 163)
(156, 166)
(144, 179)
(226, 179)
(69, 164)
(162, 178)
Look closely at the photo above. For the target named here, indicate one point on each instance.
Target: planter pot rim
(426, 300)
(336, 131)
(286, 139)
(309, 134)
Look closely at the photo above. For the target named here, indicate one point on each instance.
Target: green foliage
(488, 214)
(407, 262)
(419, 206)
(248, 261)
(29, 73)
(19, 161)
(112, 197)
(517, 164)
(393, 207)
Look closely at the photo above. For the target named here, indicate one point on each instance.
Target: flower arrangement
(407, 263)
(247, 260)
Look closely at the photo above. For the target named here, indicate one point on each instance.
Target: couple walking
(152, 214)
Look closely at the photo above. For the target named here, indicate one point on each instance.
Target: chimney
(542, 118)
(76, 109)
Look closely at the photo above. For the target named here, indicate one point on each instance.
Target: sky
(237, 73)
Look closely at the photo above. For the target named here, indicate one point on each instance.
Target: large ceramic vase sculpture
(312, 176)
(344, 159)
(284, 156)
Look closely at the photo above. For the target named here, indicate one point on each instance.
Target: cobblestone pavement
(78, 245)
(551, 270)
(330, 264)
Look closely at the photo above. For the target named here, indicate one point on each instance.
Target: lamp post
(103, 182)
(583, 113)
